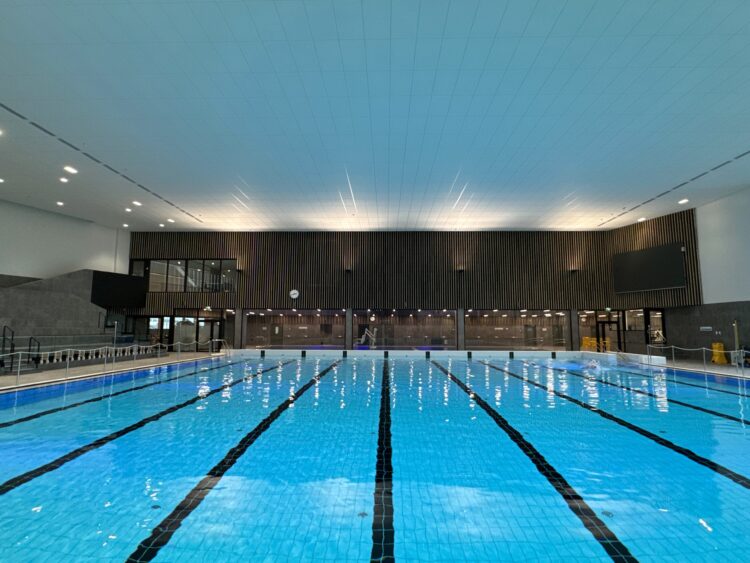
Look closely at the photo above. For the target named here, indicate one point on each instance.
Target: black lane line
(103, 397)
(383, 533)
(647, 394)
(601, 532)
(705, 462)
(667, 380)
(78, 452)
(163, 532)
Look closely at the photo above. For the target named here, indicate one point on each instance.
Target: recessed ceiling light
(170, 220)
(1, 180)
(70, 170)
(125, 225)
(60, 203)
(137, 203)
(641, 219)
(683, 201)
(64, 180)
(1, 132)
(128, 210)
(161, 225)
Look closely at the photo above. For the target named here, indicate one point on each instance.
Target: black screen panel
(110, 290)
(660, 267)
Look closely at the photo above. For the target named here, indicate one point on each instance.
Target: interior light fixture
(128, 210)
(64, 180)
(170, 220)
(523, 310)
(1, 132)
(137, 203)
(60, 203)
(125, 225)
(683, 201)
(70, 170)
(161, 225)
(1, 180)
(641, 219)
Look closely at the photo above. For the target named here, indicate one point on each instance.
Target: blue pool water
(316, 459)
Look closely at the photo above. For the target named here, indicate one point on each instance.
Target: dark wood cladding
(428, 270)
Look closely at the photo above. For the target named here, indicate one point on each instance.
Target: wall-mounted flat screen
(660, 267)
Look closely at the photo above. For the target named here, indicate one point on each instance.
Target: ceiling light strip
(71, 145)
(670, 190)
(351, 191)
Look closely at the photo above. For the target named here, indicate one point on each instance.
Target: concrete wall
(723, 230)
(54, 307)
(39, 244)
(683, 324)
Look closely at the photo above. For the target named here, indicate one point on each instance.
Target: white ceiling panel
(373, 114)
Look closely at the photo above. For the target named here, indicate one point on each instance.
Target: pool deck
(716, 369)
(35, 379)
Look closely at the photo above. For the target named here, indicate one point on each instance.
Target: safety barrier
(692, 358)
(110, 356)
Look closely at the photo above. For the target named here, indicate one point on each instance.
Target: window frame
(186, 261)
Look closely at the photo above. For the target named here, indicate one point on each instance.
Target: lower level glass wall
(406, 329)
(290, 328)
(516, 330)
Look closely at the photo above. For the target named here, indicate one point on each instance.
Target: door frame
(600, 332)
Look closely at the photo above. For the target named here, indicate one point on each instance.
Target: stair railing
(34, 351)
(8, 345)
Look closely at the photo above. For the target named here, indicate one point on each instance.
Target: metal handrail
(37, 358)
(738, 357)
(6, 330)
(107, 352)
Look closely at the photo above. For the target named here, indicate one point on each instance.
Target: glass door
(208, 330)
(185, 332)
(608, 336)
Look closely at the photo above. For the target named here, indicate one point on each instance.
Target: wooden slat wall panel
(501, 269)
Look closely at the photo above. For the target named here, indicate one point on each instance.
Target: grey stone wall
(683, 324)
(58, 306)
(10, 281)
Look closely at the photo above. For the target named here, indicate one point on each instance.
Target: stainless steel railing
(110, 356)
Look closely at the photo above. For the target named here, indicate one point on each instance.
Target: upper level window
(194, 275)
(228, 275)
(157, 277)
(177, 275)
(138, 268)
(176, 279)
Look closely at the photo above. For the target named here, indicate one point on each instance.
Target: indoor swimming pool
(372, 458)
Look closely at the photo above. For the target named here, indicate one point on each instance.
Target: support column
(239, 321)
(460, 332)
(575, 334)
(349, 329)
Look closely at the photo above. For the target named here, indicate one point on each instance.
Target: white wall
(40, 244)
(724, 248)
